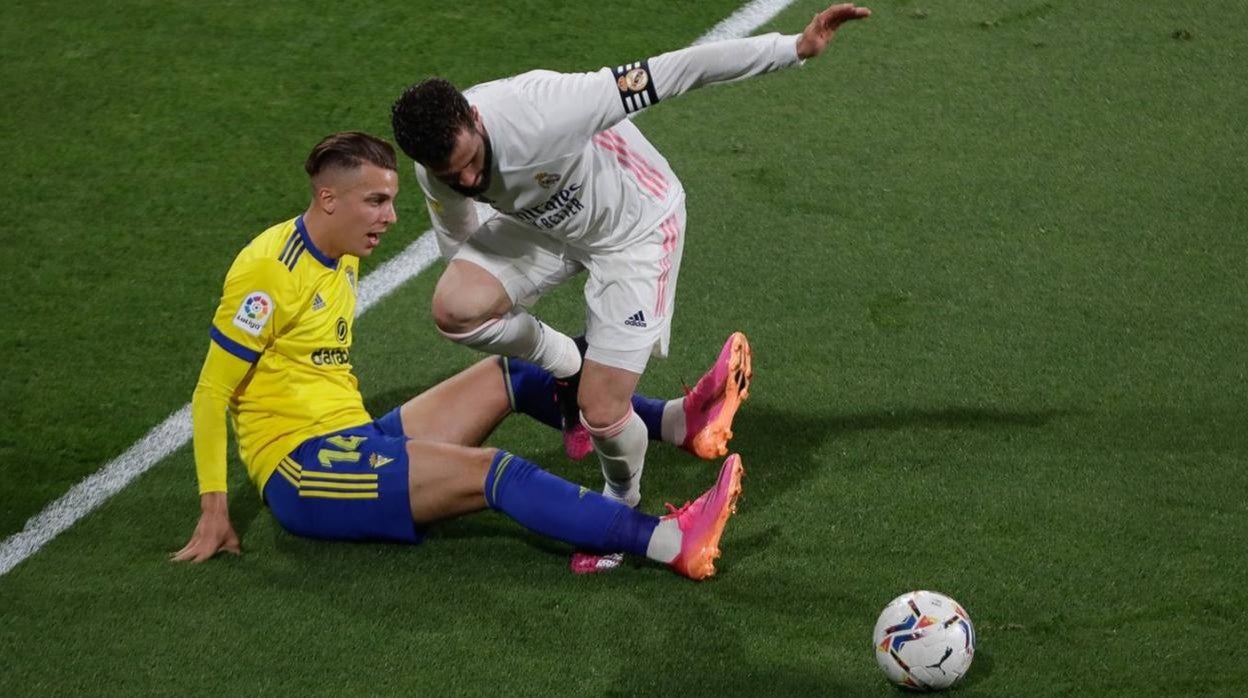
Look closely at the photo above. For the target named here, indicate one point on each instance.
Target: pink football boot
(593, 563)
(713, 402)
(702, 522)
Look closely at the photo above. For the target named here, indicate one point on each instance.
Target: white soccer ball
(924, 641)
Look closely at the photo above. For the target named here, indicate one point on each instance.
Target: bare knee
(606, 394)
(445, 481)
(479, 467)
(601, 409)
(466, 297)
(455, 315)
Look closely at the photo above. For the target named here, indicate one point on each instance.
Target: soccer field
(990, 255)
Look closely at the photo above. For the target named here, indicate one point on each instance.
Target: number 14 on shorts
(347, 450)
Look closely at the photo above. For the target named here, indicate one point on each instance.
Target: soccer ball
(924, 641)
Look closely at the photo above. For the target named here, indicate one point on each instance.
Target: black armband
(636, 86)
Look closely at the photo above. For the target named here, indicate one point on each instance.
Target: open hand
(816, 36)
(213, 533)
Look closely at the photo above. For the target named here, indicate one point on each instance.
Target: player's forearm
(218, 378)
(209, 437)
(721, 61)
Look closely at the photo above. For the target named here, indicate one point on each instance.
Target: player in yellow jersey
(279, 363)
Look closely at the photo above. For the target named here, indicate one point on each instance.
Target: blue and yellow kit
(280, 357)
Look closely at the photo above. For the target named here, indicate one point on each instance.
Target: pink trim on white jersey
(649, 177)
(645, 164)
(671, 231)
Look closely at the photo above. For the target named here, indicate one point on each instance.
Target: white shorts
(629, 296)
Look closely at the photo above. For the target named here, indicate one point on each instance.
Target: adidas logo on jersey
(318, 302)
(637, 320)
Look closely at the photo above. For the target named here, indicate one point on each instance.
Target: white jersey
(567, 161)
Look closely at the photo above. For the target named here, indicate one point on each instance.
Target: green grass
(990, 255)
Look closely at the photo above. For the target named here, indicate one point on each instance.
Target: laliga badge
(254, 313)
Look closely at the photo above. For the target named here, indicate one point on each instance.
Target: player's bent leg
(606, 393)
(620, 436)
(363, 484)
(445, 480)
(466, 297)
(532, 391)
(473, 308)
(463, 409)
(621, 449)
(536, 392)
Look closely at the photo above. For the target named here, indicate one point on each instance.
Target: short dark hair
(348, 150)
(427, 117)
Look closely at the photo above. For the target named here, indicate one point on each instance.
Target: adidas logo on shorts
(637, 320)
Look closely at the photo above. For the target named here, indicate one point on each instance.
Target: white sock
(621, 450)
(665, 542)
(672, 426)
(525, 337)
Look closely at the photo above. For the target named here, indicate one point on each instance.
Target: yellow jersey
(285, 317)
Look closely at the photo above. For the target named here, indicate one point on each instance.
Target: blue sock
(559, 509)
(651, 412)
(531, 391)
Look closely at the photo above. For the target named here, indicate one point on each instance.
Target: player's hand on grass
(213, 533)
(816, 36)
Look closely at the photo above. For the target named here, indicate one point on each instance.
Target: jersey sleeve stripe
(233, 347)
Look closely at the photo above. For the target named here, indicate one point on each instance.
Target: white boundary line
(745, 20)
(175, 431)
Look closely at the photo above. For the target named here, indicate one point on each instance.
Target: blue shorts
(347, 485)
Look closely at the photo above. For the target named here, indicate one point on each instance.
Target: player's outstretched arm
(214, 532)
(822, 29)
(639, 85)
(219, 377)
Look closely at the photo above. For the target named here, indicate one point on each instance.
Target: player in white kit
(533, 179)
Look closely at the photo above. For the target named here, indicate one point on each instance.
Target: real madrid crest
(546, 180)
(634, 80)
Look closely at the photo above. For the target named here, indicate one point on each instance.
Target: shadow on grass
(781, 445)
(780, 450)
(981, 669)
(964, 418)
(706, 652)
(475, 556)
